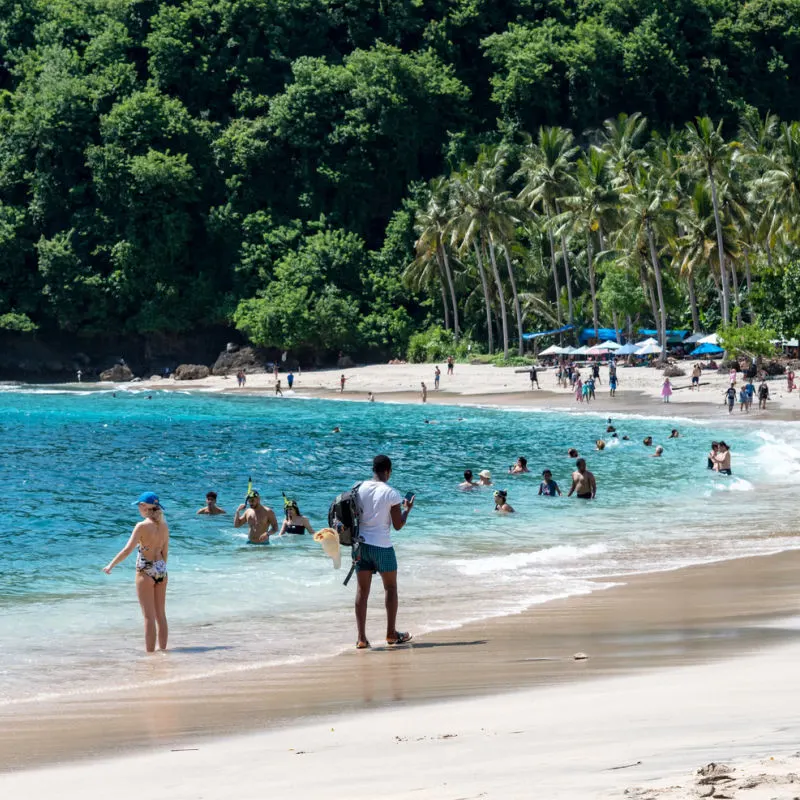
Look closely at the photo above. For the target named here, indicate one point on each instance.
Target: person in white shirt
(382, 508)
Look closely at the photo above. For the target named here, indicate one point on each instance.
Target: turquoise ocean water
(72, 462)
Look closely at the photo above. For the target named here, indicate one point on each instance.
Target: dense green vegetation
(272, 165)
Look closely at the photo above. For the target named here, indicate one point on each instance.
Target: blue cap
(150, 498)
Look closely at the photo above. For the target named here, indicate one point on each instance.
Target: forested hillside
(272, 165)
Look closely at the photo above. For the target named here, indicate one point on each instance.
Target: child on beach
(730, 398)
(666, 390)
(763, 395)
(743, 405)
(612, 384)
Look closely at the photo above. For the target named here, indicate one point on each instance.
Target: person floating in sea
(152, 538)
(763, 395)
(424, 392)
(485, 478)
(336, 429)
(342, 381)
(572, 452)
(659, 452)
(599, 445)
(211, 508)
(722, 459)
(583, 482)
(382, 509)
(501, 502)
(259, 518)
(548, 487)
(534, 376)
(520, 467)
(437, 374)
(647, 441)
(666, 390)
(730, 397)
(294, 522)
(469, 484)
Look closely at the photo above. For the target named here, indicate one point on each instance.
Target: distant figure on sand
(520, 467)
(612, 385)
(666, 390)
(730, 398)
(763, 395)
(696, 373)
(278, 387)
(790, 380)
(152, 537)
(370, 397)
(211, 508)
(548, 487)
(534, 376)
(468, 484)
(485, 478)
(450, 364)
(260, 519)
(382, 509)
(743, 404)
(79, 373)
(342, 381)
(437, 374)
(424, 392)
(294, 522)
(290, 380)
(583, 482)
(501, 502)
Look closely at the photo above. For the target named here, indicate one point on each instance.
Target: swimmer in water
(658, 453)
(259, 518)
(647, 441)
(485, 478)
(211, 508)
(548, 487)
(583, 482)
(520, 467)
(572, 452)
(152, 537)
(600, 445)
(294, 521)
(501, 502)
(468, 484)
(674, 434)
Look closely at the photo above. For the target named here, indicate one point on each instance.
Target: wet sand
(688, 616)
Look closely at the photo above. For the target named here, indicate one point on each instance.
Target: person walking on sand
(534, 376)
(732, 376)
(790, 380)
(290, 380)
(696, 373)
(278, 388)
(743, 400)
(763, 395)
(579, 390)
(612, 385)
(437, 374)
(730, 397)
(424, 392)
(666, 390)
(450, 365)
(151, 536)
(342, 382)
(261, 519)
(583, 482)
(382, 508)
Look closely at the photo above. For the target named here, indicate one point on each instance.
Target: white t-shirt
(377, 499)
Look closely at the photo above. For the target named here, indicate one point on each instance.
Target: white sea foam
(551, 556)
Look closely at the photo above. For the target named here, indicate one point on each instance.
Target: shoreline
(692, 615)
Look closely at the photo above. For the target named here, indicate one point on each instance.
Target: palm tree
(710, 153)
(425, 272)
(623, 139)
(430, 224)
(547, 168)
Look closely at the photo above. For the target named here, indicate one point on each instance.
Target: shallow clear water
(72, 463)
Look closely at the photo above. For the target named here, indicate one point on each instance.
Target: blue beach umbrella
(707, 349)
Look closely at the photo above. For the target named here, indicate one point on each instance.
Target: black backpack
(344, 514)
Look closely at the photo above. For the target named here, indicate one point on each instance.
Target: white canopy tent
(610, 345)
(649, 350)
(647, 342)
(710, 339)
(553, 350)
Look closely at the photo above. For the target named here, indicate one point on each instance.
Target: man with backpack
(381, 509)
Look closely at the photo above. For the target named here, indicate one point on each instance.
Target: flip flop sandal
(402, 638)
(363, 645)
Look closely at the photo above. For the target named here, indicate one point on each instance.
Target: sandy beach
(639, 389)
(683, 667)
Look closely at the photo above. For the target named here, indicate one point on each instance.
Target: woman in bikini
(151, 536)
(294, 521)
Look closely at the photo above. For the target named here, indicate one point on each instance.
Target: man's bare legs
(362, 597)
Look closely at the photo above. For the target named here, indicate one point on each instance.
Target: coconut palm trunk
(501, 295)
(517, 308)
(449, 274)
(662, 318)
(554, 266)
(485, 285)
(736, 300)
(726, 300)
(617, 332)
(749, 278)
(592, 287)
(445, 304)
(693, 305)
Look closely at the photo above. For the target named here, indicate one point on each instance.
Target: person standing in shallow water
(583, 482)
(151, 536)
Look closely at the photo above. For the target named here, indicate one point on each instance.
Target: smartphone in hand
(409, 497)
